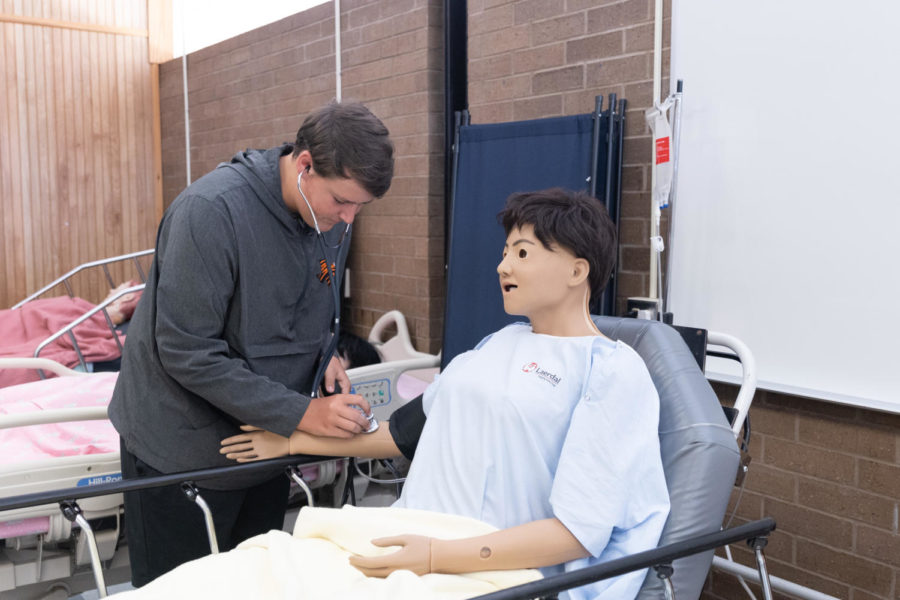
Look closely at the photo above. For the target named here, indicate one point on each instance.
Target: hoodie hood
(260, 169)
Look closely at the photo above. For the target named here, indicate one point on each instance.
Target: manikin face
(533, 279)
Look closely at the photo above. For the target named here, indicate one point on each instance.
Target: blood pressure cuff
(406, 426)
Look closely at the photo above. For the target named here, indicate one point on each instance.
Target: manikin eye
(523, 253)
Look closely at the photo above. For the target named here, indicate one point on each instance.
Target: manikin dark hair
(356, 350)
(347, 140)
(573, 220)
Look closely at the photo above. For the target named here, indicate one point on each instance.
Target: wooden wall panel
(76, 141)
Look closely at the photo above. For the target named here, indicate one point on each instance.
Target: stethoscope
(335, 284)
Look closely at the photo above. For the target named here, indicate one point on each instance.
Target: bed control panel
(377, 392)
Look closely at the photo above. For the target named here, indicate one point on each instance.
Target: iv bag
(662, 155)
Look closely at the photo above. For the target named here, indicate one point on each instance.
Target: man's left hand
(335, 373)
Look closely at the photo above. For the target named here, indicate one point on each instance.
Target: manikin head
(560, 251)
(344, 159)
(353, 351)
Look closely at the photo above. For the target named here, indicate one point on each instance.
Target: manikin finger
(236, 439)
(386, 542)
(369, 565)
(241, 456)
(236, 448)
(242, 451)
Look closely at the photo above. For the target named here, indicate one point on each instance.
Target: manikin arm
(535, 544)
(257, 444)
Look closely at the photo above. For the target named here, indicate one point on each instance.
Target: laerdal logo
(545, 375)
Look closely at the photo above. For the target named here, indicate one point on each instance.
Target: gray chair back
(699, 453)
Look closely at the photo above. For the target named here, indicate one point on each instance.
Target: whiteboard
(785, 224)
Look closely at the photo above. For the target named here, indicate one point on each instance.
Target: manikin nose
(502, 268)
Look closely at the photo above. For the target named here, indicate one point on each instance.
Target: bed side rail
(743, 355)
(89, 265)
(128, 485)
(45, 364)
(67, 330)
(660, 558)
(55, 415)
(68, 498)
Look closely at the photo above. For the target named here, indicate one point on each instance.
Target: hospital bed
(72, 329)
(103, 264)
(700, 458)
(43, 548)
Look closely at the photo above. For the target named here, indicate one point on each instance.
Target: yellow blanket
(312, 564)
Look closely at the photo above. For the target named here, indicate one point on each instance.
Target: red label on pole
(662, 150)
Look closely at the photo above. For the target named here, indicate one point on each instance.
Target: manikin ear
(580, 271)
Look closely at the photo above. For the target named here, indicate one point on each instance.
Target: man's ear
(303, 161)
(580, 271)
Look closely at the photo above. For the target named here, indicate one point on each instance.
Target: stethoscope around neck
(335, 292)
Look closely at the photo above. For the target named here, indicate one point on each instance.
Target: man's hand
(414, 555)
(335, 372)
(255, 444)
(335, 416)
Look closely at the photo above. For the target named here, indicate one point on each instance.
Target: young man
(547, 430)
(234, 319)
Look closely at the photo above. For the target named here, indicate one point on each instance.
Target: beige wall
(76, 145)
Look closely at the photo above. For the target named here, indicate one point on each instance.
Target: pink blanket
(21, 331)
(23, 444)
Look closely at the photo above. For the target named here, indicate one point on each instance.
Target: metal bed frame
(659, 559)
(65, 280)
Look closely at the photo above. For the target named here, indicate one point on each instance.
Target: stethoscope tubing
(335, 291)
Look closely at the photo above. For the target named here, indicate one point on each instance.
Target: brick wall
(532, 59)
(254, 90)
(393, 61)
(830, 476)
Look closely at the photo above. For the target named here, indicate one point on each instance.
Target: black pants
(164, 529)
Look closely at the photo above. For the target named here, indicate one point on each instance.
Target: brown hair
(347, 140)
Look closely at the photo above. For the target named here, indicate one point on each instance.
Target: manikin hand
(335, 372)
(255, 444)
(335, 416)
(414, 555)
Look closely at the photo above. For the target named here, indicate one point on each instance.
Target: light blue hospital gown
(529, 426)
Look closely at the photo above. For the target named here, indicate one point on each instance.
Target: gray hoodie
(231, 324)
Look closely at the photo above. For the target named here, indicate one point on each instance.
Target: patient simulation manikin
(547, 431)
(532, 426)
